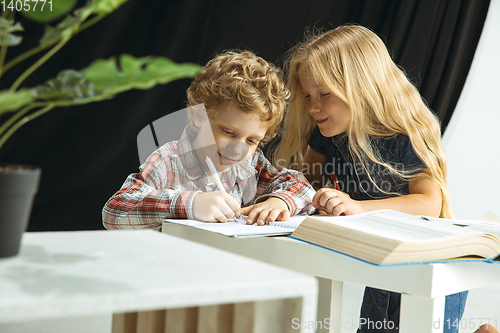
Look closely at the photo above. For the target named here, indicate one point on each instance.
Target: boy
(245, 99)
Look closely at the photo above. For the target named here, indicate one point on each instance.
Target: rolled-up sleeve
(289, 185)
(148, 197)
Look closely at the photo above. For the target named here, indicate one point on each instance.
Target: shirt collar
(241, 171)
(187, 155)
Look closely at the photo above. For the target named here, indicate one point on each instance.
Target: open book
(388, 237)
(238, 227)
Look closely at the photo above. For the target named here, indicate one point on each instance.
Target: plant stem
(5, 38)
(26, 55)
(37, 64)
(18, 115)
(40, 48)
(23, 121)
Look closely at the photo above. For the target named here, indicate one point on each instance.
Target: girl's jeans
(380, 312)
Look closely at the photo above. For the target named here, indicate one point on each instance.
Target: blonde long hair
(353, 63)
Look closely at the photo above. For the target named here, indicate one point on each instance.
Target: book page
(472, 225)
(405, 227)
(237, 227)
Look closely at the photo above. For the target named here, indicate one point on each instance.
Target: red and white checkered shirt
(172, 176)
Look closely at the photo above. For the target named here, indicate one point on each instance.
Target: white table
(423, 287)
(139, 274)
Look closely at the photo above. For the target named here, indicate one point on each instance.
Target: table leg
(421, 314)
(329, 305)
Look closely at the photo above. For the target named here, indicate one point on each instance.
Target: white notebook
(239, 228)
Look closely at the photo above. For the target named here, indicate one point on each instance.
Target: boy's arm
(148, 197)
(289, 185)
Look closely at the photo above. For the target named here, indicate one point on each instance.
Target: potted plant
(101, 80)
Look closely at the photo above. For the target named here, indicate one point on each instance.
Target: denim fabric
(453, 311)
(355, 178)
(380, 311)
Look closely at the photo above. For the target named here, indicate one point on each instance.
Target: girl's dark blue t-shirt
(353, 178)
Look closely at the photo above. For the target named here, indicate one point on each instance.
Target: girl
(356, 119)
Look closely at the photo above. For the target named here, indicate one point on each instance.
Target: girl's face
(237, 135)
(332, 115)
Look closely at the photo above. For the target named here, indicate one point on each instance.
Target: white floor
(482, 305)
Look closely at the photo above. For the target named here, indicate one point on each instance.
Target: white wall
(472, 138)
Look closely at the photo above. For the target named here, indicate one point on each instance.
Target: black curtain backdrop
(87, 151)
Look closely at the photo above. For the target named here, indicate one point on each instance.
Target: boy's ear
(197, 116)
(196, 120)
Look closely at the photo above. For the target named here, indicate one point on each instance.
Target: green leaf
(106, 6)
(103, 79)
(136, 73)
(7, 27)
(14, 100)
(69, 85)
(72, 22)
(67, 27)
(45, 12)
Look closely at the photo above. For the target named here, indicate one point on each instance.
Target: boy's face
(236, 133)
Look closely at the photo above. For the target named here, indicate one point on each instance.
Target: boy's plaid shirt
(172, 176)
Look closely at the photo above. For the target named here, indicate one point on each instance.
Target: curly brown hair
(243, 80)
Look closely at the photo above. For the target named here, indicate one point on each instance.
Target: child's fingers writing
(233, 204)
(322, 211)
(224, 214)
(334, 202)
(214, 206)
(338, 209)
(333, 205)
(228, 207)
(322, 196)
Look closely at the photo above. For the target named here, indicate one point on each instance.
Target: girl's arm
(424, 199)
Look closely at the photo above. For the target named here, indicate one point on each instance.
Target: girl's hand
(214, 206)
(329, 201)
(273, 209)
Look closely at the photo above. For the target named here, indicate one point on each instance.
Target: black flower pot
(18, 186)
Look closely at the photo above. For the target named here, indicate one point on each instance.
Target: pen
(217, 181)
(335, 182)
(213, 171)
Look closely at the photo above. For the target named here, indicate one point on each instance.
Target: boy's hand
(214, 206)
(329, 201)
(273, 209)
